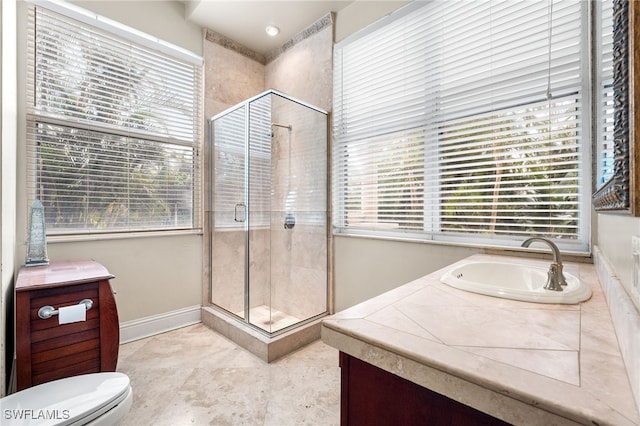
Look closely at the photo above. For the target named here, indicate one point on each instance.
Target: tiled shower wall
(232, 74)
(303, 67)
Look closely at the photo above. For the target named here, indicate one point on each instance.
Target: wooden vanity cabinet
(372, 396)
(47, 350)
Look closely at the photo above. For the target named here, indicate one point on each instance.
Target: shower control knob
(289, 221)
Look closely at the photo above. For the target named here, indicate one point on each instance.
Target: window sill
(53, 239)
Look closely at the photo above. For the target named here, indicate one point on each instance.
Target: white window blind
(465, 121)
(113, 130)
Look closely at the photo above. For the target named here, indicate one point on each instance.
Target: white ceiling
(245, 21)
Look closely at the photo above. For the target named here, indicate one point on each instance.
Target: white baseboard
(156, 324)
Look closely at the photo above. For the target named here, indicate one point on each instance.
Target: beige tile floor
(194, 376)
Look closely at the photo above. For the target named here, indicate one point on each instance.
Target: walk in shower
(269, 213)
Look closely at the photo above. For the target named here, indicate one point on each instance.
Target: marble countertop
(524, 363)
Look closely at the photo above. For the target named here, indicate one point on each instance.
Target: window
(604, 57)
(465, 121)
(113, 127)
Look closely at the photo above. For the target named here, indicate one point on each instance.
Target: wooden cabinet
(47, 350)
(371, 396)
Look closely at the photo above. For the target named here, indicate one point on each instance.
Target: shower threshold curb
(266, 348)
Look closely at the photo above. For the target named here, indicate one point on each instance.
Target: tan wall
(366, 267)
(153, 275)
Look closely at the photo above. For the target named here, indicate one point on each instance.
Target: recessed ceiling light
(272, 30)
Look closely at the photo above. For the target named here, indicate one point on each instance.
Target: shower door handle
(239, 213)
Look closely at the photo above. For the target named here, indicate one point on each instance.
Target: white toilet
(89, 399)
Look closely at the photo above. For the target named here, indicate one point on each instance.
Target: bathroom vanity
(47, 350)
(440, 353)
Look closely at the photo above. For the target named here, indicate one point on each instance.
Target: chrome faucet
(555, 277)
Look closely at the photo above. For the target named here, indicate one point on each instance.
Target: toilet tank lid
(64, 401)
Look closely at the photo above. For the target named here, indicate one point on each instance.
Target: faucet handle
(561, 279)
(553, 281)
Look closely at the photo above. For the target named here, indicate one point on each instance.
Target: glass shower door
(288, 213)
(230, 218)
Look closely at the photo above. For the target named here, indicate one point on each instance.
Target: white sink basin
(514, 281)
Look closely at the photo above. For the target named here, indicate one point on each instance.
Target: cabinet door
(372, 396)
(65, 350)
